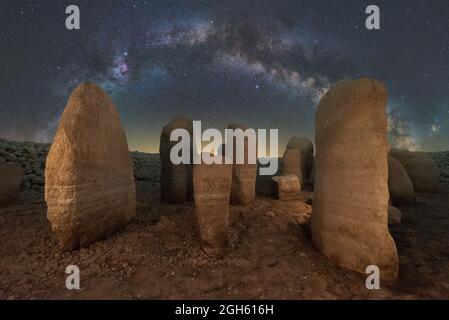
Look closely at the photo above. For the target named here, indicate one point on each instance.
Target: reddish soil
(158, 256)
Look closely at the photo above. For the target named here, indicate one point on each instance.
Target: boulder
(11, 178)
(350, 213)
(394, 215)
(176, 180)
(243, 175)
(399, 184)
(421, 169)
(90, 190)
(212, 191)
(286, 188)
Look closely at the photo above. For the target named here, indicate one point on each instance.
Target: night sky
(261, 63)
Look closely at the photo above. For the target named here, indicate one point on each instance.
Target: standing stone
(11, 178)
(292, 163)
(90, 190)
(286, 188)
(243, 175)
(399, 184)
(176, 180)
(298, 159)
(212, 190)
(421, 169)
(350, 212)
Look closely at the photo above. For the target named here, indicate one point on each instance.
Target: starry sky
(262, 63)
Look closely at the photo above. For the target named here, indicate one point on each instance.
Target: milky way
(261, 63)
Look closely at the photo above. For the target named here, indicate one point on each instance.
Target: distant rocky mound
(31, 156)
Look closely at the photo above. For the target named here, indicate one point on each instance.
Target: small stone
(270, 214)
(286, 188)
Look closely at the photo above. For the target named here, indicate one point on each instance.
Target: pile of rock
(442, 160)
(147, 166)
(31, 157)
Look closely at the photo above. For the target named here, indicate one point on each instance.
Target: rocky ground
(158, 256)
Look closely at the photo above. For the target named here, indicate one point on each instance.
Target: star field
(261, 63)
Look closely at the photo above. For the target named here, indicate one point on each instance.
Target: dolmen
(90, 190)
(176, 179)
(11, 178)
(350, 213)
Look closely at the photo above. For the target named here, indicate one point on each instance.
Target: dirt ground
(158, 255)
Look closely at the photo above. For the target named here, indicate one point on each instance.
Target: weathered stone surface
(312, 173)
(399, 184)
(11, 178)
(292, 164)
(176, 180)
(243, 175)
(350, 212)
(421, 169)
(394, 215)
(286, 188)
(305, 147)
(212, 190)
(90, 190)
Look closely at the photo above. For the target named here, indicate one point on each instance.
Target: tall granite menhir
(298, 159)
(212, 189)
(350, 212)
(90, 190)
(176, 180)
(243, 175)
